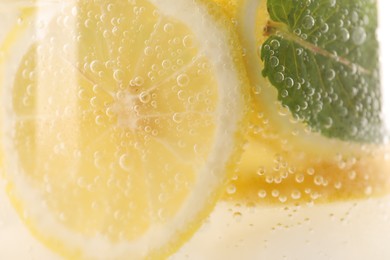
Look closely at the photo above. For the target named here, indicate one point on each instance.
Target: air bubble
(318, 180)
(177, 118)
(262, 194)
(124, 162)
(137, 81)
(330, 74)
(145, 97)
(261, 171)
(354, 130)
(275, 193)
(26, 101)
(106, 34)
(93, 101)
(338, 185)
(354, 91)
(289, 82)
(310, 91)
(368, 190)
(310, 171)
(275, 44)
(110, 7)
(297, 31)
(168, 27)
(278, 179)
(166, 64)
(325, 28)
(182, 80)
(88, 23)
(20, 20)
(359, 35)
(308, 22)
(99, 120)
(161, 214)
(81, 94)
(93, 66)
(314, 195)
(148, 50)
(181, 95)
(237, 216)
(118, 75)
(354, 17)
(274, 61)
(32, 75)
(282, 199)
(188, 41)
(344, 34)
(74, 11)
(328, 122)
(279, 77)
(269, 179)
(296, 194)
(231, 189)
(147, 129)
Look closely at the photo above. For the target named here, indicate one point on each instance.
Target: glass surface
(119, 124)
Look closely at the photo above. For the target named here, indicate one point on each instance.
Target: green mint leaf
(322, 56)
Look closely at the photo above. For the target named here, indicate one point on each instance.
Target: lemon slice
(231, 7)
(285, 161)
(122, 123)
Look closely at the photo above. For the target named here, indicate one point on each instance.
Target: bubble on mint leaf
(359, 35)
(324, 28)
(330, 74)
(289, 82)
(279, 77)
(344, 34)
(275, 44)
(308, 22)
(274, 61)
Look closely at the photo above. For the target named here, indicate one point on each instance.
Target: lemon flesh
(122, 122)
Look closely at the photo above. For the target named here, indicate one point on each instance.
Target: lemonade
(223, 129)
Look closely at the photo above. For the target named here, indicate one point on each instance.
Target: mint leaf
(322, 56)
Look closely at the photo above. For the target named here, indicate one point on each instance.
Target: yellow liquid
(341, 230)
(323, 210)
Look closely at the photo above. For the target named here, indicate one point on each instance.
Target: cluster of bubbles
(310, 180)
(326, 70)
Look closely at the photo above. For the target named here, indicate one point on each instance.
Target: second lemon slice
(293, 155)
(122, 121)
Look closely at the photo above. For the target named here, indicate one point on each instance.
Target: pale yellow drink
(144, 129)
